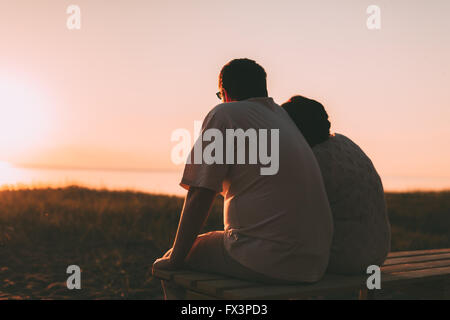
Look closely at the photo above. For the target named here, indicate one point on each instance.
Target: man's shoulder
(228, 109)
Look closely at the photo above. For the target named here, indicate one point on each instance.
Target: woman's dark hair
(243, 79)
(310, 117)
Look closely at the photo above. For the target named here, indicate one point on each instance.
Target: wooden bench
(401, 270)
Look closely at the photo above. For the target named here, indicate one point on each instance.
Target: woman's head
(310, 117)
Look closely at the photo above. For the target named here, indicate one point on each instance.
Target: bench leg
(366, 294)
(192, 295)
(173, 291)
(446, 295)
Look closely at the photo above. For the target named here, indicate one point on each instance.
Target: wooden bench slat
(261, 293)
(332, 283)
(215, 284)
(416, 253)
(189, 280)
(168, 275)
(407, 267)
(415, 259)
(328, 284)
(416, 266)
(415, 276)
(216, 287)
(192, 295)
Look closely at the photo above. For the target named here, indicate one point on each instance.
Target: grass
(420, 220)
(114, 236)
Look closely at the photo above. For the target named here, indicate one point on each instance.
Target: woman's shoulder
(340, 138)
(343, 142)
(333, 142)
(340, 151)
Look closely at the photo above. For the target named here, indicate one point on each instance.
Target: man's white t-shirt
(279, 225)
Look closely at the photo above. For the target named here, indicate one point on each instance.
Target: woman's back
(355, 192)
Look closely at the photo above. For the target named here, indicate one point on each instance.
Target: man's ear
(226, 96)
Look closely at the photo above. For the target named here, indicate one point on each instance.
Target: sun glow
(5, 173)
(4, 166)
(24, 117)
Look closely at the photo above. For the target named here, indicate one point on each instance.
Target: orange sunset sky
(110, 94)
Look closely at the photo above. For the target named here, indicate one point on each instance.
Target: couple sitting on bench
(323, 210)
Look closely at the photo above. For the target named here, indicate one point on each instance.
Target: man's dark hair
(310, 117)
(243, 79)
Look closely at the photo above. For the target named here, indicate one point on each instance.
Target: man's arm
(197, 206)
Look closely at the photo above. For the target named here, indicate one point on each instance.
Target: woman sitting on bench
(355, 192)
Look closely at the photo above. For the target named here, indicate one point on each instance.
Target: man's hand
(165, 263)
(196, 208)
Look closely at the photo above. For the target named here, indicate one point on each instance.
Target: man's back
(277, 224)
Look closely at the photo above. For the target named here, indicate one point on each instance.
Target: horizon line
(86, 168)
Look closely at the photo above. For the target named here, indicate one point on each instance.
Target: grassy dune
(114, 236)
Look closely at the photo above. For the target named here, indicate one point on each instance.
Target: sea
(160, 181)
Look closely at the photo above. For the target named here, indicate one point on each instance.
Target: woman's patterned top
(362, 232)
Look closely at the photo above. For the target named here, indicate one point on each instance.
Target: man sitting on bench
(278, 226)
